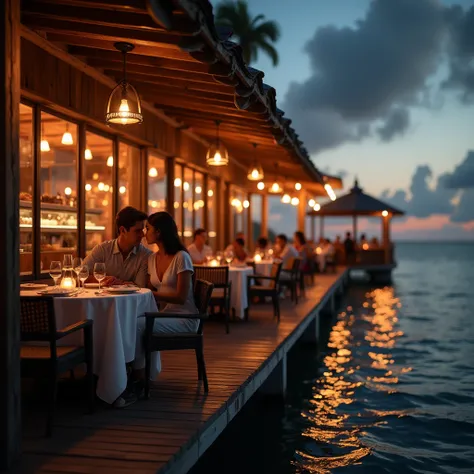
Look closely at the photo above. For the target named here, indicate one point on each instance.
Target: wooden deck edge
(198, 443)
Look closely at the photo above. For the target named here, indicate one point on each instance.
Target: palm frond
(270, 29)
(269, 50)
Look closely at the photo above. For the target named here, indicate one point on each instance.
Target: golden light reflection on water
(335, 427)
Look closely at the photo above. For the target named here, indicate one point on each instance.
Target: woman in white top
(170, 273)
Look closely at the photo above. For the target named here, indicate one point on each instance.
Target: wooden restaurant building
(112, 103)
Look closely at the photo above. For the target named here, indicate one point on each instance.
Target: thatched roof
(356, 203)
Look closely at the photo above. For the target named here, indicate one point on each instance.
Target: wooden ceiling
(182, 66)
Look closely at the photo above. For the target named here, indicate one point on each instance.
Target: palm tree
(254, 34)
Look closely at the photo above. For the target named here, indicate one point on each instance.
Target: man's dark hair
(283, 237)
(199, 232)
(262, 242)
(240, 241)
(128, 217)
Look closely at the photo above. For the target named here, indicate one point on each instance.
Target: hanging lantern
(255, 172)
(217, 155)
(67, 137)
(123, 106)
(88, 154)
(275, 188)
(298, 186)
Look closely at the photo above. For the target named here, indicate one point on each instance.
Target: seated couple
(167, 273)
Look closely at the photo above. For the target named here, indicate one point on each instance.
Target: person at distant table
(125, 258)
(284, 251)
(199, 250)
(238, 247)
(349, 249)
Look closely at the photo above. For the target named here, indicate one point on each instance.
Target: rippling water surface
(392, 391)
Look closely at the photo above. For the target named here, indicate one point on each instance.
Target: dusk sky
(383, 90)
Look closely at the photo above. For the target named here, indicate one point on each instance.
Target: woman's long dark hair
(301, 237)
(169, 237)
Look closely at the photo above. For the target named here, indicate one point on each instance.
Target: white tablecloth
(239, 300)
(117, 333)
(264, 267)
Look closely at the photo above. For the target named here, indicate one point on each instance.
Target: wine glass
(229, 256)
(77, 265)
(99, 272)
(67, 261)
(83, 274)
(219, 257)
(55, 272)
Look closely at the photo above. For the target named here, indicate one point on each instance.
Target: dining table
(117, 332)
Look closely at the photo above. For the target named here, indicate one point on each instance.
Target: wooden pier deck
(169, 432)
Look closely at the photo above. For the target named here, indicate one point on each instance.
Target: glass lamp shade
(286, 199)
(217, 155)
(275, 188)
(124, 106)
(67, 138)
(44, 146)
(88, 154)
(255, 173)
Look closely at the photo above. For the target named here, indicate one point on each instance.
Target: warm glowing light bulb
(255, 173)
(311, 203)
(286, 199)
(88, 154)
(88, 187)
(106, 188)
(68, 191)
(105, 202)
(261, 186)
(122, 190)
(275, 187)
(317, 207)
(95, 176)
(295, 201)
(385, 213)
(44, 146)
(101, 186)
(110, 161)
(186, 186)
(246, 204)
(217, 157)
(67, 138)
(176, 204)
(210, 193)
(177, 183)
(298, 186)
(124, 108)
(152, 172)
(198, 190)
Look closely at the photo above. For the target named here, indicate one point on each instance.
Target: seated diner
(199, 250)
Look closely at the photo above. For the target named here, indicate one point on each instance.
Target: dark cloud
(395, 124)
(464, 211)
(367, 74)
(461, 74)
(463, 174)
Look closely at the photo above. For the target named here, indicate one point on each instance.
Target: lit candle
(318, 250)
(214, 263)
(257, 258)
(68, 283)
(365, 246)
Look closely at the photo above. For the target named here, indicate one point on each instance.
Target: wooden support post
(144, 174)
(264, 216)
(228, 216)
(170, 185)
(386, 239)
(10, 405)
(220, 214)
(301, 211)
(205, 190)
(275, 385)
(249, 243)
(81, 192)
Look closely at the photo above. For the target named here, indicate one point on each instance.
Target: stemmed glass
(55, 272)
(99, 272)
(219, 257)
(67, 261)
(229, 256)
(77, 265)
(83, 274)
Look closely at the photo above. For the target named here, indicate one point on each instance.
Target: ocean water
(389, 390)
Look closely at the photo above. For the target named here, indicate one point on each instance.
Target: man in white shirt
(284, 251)
(198, 250)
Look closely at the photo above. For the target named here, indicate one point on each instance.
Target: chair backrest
(218, 276)
(202, 298)
(275, 273)
(37, 318)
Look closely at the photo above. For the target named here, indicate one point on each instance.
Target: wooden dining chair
(256, 287)
(219, 277)
(290, 278)
(38, 324)
(154, 341)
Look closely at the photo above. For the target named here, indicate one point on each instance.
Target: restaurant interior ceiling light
(210, 193)
(68, 191)
(261, 186)
(198, 190)
(295, 201)
(316, 207)
(67, 137)
(88, 154)
(311, 203)
(153, 172)
(177, 182)
(124, 106)
(186, 186)
(44, 146)
(275, 188)
(255, 172)
(217, 154)
(88, 187)
(286, 198)
(110, 161)
(298, 186)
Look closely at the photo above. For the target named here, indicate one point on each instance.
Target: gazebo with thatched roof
(357, 203)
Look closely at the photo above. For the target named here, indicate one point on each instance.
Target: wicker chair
(291, 278)
(38, 323)
(179, 341)
(259, 290)
(219, 277)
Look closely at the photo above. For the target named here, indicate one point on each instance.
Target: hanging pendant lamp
(217, 154)
(123, 106)
(255, 172)
(67, 137)
(44, 145)
(275, 188)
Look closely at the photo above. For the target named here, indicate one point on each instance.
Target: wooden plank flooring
(170, 431)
